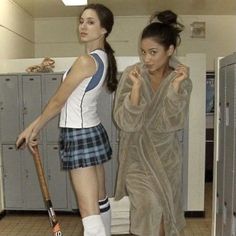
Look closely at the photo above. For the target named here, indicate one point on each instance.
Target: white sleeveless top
(80, 109)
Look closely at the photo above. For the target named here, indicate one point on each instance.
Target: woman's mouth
(82, 34)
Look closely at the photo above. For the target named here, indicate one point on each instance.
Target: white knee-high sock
(105, 212)
(93, 226)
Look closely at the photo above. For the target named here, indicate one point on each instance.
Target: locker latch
(227, 114)
(234, 225)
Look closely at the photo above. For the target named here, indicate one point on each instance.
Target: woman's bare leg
(101, 181)
(86, 189)
(87, 192)
(104, 204)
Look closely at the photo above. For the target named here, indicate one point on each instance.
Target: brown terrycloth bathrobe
(149, 153)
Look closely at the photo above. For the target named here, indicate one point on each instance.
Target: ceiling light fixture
(75, 2)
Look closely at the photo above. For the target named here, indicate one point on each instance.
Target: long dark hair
(107, 20)
(164, 29)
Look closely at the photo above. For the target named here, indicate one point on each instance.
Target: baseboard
(194, 214)
(188, 214)
(38, 212)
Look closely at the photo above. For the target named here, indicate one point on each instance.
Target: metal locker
(32, 99)
(12, 177)
(50, 83)
(56, 178)
(220, 163)
(33, 199)
(73, 202)
(229, 148)
(9, 108)
(114, 167)
(234, 204)
(104, 107)
(105, 113)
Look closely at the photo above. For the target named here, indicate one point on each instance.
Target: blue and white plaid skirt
(84, 147)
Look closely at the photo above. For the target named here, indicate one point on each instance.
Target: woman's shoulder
(85, 60)
(84, 65)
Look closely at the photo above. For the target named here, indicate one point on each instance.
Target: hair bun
(167, 17)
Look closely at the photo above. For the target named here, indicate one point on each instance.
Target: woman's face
(89, 26)
(154, 55)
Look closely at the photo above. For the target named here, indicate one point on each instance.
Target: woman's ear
(104, 31)
(171, 50)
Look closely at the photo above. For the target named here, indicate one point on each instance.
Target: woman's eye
(81, 22)
(90, 22)
(153, 52)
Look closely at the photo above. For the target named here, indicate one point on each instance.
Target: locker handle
(27, 174)
(1, 106)
(217, 204)
(224, 213)
(25, 110)
(55, 148)
(31, 79)
(233, 229)
(7, 79)
(54, 78)
(4, 173)
(227, 114)
(49, 174)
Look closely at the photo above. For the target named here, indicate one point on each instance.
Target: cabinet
(226, 192)
(22, 98)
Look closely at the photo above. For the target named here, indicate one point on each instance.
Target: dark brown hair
(107, 20)
(164, 28)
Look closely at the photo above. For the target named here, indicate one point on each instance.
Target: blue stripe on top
(98, 75)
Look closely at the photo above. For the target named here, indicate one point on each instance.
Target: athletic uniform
(83, 140)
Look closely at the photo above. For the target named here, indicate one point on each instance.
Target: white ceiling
(55, 8)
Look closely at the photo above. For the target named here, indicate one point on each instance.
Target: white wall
(16, 40)
(16, 30)
(63, 41)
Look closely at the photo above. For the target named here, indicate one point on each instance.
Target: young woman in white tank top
(83, 142)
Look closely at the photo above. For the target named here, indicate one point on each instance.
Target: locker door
(31, 97)
(234, 208)
(50, 83)
(229, 149)
(105, 114)
(33, 199)
(57, 178)
(9, 108)
(12, 177)
(234, 173)
(220, 163)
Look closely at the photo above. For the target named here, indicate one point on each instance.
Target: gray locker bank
(226, 163)
(22, 98)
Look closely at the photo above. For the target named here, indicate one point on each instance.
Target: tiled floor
(37, 225)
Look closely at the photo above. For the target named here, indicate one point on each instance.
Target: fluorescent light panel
(75, 2)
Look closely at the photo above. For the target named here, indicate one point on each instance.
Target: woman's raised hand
(134, 76)
(182, 73)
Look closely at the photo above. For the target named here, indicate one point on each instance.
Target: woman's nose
(146, 58)
(83, 25)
